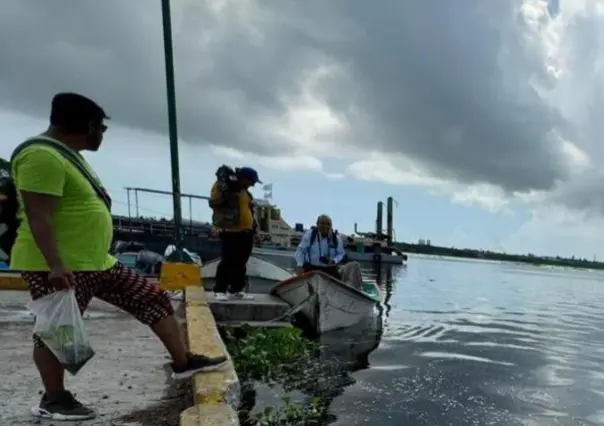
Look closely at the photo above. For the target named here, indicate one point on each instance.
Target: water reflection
(384, 277)
(340, 354)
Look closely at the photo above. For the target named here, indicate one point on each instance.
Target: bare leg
(169, 332)
(51, 370)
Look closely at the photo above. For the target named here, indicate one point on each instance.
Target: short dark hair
(74, 113)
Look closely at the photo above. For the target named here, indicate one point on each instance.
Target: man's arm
(40, 177)
(39, 209)
(215, 196)
(302, 249)
(340, 251)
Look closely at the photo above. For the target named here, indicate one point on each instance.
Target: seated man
(320, 249)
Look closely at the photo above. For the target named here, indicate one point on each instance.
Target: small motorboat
(261, 275)
(134, 255)
(326, 302)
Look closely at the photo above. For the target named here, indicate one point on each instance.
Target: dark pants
(329, 270)
(231, 272)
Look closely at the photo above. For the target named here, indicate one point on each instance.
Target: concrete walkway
(127, 381)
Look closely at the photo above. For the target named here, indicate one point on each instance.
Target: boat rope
(294, 309)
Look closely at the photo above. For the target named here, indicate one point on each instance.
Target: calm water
(476, 343)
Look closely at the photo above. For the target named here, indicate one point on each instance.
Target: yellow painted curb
(209, 415)
(178, 276)
(11, 281)
(217, 387)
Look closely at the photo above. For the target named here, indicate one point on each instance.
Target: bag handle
(73, 159)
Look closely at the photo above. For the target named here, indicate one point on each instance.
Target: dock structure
(261, 311)
(216, 394)
(11, 280)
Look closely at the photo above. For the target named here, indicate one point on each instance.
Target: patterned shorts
(119, 286)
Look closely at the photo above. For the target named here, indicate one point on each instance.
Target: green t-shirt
(82, 223)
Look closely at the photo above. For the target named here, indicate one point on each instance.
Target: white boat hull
(261, 275)
(255, 267)
(336, 305)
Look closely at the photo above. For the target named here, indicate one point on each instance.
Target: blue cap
(250, 173)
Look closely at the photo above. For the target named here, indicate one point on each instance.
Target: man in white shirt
(320, 249)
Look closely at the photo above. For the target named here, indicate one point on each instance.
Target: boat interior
(261, 275)
(296, 281)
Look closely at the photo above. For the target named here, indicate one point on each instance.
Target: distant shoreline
(502, 257)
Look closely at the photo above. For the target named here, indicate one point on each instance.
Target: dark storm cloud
(446, 83)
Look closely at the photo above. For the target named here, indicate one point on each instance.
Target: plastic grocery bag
(60, 325)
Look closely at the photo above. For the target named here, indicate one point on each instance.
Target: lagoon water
(480, 343)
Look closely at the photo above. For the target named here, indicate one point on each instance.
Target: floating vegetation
(276, 356)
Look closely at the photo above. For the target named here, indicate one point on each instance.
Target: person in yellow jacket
(233, 215)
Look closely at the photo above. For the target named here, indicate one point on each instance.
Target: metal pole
(182, 194)
(191, 212)
(171, 94)
(389, 220)
(128, 197)
(136, 203)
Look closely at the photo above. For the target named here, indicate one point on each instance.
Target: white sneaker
(241, 296)
(221, 297)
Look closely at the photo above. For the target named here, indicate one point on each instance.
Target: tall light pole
(173, 131)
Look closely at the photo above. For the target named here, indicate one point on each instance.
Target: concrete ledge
(209, 415)
(11, 281)
(217, 388)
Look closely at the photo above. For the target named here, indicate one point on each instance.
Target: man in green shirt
(63, 242)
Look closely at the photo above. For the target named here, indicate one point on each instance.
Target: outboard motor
(128, 247)
(149, 261)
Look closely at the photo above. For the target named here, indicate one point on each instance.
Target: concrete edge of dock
(12, 281)
(215, 394)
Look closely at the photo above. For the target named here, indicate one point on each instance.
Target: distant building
(428, 243)
(421, 242)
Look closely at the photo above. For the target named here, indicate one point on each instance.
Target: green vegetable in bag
(73, 355)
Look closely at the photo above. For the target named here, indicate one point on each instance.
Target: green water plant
(274, 356)
(291, 414)
(267, 354)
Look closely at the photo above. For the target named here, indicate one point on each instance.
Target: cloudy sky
(481, 118)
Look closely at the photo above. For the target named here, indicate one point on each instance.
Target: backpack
(9, 203)
(8, 210)
(315, 232)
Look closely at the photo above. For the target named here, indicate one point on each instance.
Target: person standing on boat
(320, 249)
(233, 214)
(63, 241)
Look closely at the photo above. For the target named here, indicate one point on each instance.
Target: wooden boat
(328, 304)
(261, 275)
